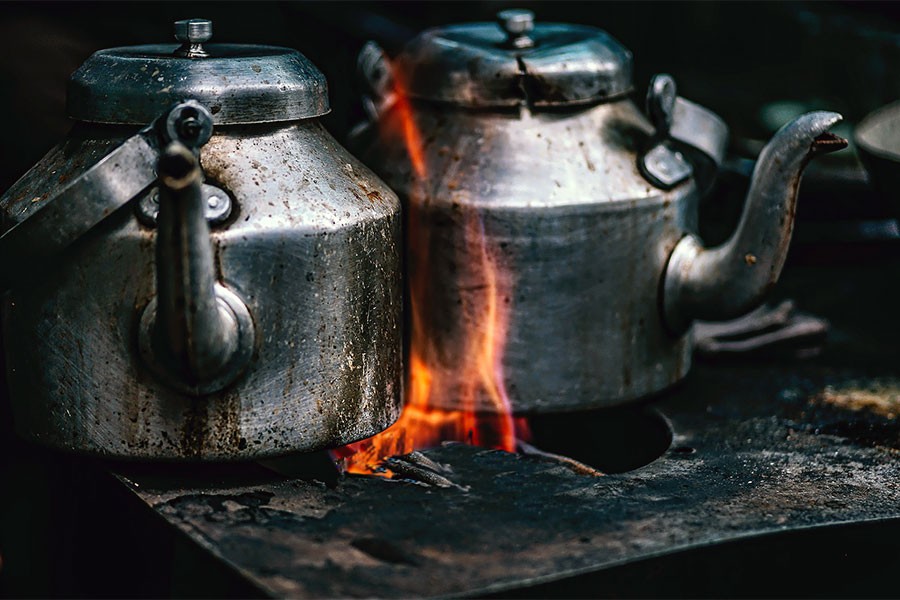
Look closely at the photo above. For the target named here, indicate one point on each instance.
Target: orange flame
(476, 380)
(411, 137)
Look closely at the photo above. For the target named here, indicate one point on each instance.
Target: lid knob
(517, 23)
(192, 33)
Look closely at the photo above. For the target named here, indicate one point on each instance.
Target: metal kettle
(200, 271)
(530, 174)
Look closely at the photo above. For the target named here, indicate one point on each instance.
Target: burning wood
(422, 469)
(576, 466)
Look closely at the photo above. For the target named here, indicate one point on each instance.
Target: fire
(411, 138)
(476, 378)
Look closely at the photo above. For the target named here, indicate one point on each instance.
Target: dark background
(754, 63)
(67, 530)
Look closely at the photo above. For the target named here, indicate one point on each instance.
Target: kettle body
(552, 224)
(525, 199)
(309, 248)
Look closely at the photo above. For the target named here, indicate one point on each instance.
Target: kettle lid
(514, 61)
(240, 83)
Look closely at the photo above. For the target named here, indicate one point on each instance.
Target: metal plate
(758, 449)
(737, 469)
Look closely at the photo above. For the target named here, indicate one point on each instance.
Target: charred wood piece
(575, 466)
(407, 468)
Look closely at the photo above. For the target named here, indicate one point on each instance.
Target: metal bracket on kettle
(196, 335)
(689, 140)
(114, 181)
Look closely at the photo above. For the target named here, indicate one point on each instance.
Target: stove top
(760, 454)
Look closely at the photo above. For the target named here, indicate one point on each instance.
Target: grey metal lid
(238, 83)
(515, 61)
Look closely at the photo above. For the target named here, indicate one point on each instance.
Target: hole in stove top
(614, 440)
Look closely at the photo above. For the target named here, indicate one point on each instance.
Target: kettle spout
(727, 281)
(197, 334)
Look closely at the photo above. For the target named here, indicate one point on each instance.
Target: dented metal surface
(754, 453)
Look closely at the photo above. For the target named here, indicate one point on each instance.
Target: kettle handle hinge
(101, 190)
(373, 70)
(688, 141)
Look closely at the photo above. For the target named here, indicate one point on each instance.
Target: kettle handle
(703, 136)
(97, 193)
(688, 141)
(377, 80)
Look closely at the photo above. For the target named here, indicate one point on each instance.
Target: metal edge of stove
(562, 575)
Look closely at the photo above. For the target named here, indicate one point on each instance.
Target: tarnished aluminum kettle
(532, 176)
(199, 270)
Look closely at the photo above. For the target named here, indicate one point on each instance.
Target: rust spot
(194, 432)
(373, 196)
(750, 259)
(827, 142)
(587, 159)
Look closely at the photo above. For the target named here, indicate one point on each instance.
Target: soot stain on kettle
(543, 92)
(226, 433)
(623, 134)
(196, 427)
(587, 159)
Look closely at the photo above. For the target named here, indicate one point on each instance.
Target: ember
(433, 380)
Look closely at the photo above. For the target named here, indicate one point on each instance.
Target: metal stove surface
(757, 450)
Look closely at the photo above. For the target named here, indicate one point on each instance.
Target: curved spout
(731, 279)
(200, 331)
